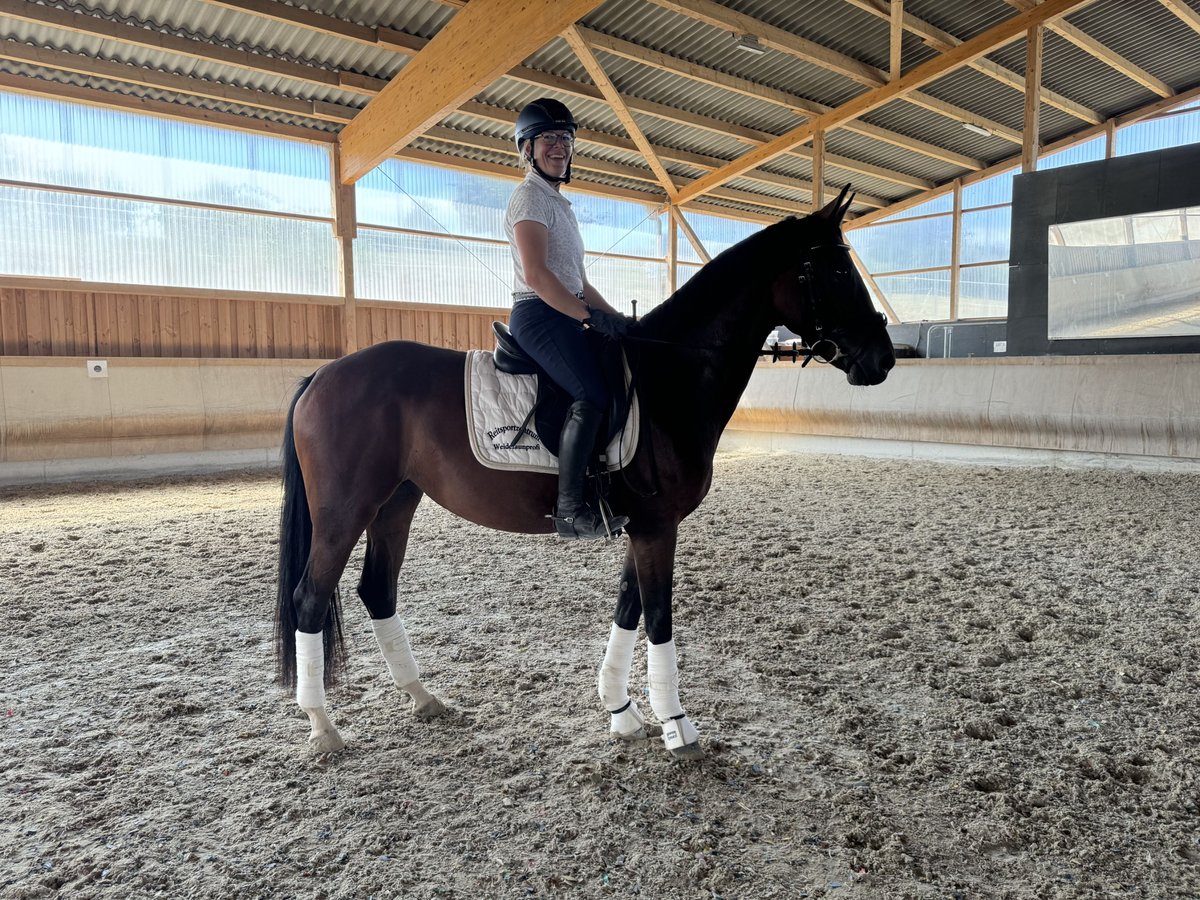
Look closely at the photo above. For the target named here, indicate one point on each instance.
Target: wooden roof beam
(603, 139)
(1151, 109)
(1111, 58)
(96, 26)
(718, 16)
(1186, 14)
(409, 45)
(994, 37)
(471, 51)
(943, 41)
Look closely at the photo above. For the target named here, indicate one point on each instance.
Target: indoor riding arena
(931, 446)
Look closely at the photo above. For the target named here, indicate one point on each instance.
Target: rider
(553, 302)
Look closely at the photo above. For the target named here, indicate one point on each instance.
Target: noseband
(821, 348)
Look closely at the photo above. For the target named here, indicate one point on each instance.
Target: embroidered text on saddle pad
(497, 404)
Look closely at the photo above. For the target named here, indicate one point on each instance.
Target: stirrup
(588, 525)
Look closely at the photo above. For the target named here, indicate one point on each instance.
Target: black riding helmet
(544, 114)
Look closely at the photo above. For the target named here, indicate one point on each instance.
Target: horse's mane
(752, 263)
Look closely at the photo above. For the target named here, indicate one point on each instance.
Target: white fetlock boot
(680, 736)
(626, 720)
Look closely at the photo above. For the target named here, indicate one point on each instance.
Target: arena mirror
(1125, 276)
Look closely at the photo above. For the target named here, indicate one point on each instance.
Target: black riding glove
(612, 325)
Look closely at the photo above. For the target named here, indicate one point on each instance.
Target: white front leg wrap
(393, 644)
(662, 675)
(614, 671)
(310, 670)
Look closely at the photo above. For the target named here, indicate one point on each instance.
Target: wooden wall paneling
(12, 331)
(334, 317)
(264, 338)
(189, 327)
(379, 326)
(58, 318)
(420, 320)
(395, 325)
(223, 345)
(435, 328)
(246, 342)
(299, 330)
(206, 325)
(145, 335)
(281, 329)
(362, 324)
(93, 329)
(123, 306)
(106, 324)
(84, 317)
(312, 331)
(170, 312)
(37, 328)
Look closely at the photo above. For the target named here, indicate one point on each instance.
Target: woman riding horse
(553, 302)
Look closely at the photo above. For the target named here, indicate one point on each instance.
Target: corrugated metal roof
(707, 116)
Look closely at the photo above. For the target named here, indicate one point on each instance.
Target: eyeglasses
(550, 138)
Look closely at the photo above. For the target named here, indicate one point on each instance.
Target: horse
(368, 435)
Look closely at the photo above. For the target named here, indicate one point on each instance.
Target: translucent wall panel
(916, 297)
(904, 245)
(618, 226)
(1158, 134)
(142, 242)
(71, 145)
(432, 198)
(623, 280)
(420, 269)
(997, 189)
(985, 235)
(1090, 151)
(428, 269)
(983, 292)
(716, 233)
(684, 272)
(944, 203)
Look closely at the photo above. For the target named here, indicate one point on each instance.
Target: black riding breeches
(561, 346)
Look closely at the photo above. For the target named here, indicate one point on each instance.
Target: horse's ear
(831, 210)
(845, 207)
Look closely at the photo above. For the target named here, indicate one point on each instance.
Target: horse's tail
(295, 542)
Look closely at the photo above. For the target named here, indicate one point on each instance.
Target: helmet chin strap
(553, 179)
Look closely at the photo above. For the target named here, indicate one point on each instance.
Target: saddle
(550, 409)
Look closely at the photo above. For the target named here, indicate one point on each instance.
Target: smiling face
(552, 152)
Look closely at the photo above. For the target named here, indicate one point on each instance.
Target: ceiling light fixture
(976, 129)
(749, 44)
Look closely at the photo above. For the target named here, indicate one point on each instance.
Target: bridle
(820, 347)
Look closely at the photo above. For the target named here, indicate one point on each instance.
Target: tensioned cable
(449, 233)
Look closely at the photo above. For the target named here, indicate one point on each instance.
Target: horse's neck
(716, 345)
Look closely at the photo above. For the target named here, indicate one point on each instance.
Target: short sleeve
(528, 205)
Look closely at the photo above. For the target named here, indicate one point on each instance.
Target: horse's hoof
(688, 752)
(643, 732)
(428, 709)
(325, 742)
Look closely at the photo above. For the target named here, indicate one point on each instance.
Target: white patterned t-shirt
(535, 200)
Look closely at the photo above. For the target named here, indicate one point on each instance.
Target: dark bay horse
(368, 435)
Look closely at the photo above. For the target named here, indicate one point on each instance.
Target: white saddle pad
(497, 404)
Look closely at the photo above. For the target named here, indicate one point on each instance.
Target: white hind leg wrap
(662, 674)
(614, 671)
(310, 670)
(393, 644)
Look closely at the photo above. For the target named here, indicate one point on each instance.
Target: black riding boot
(573, 518)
